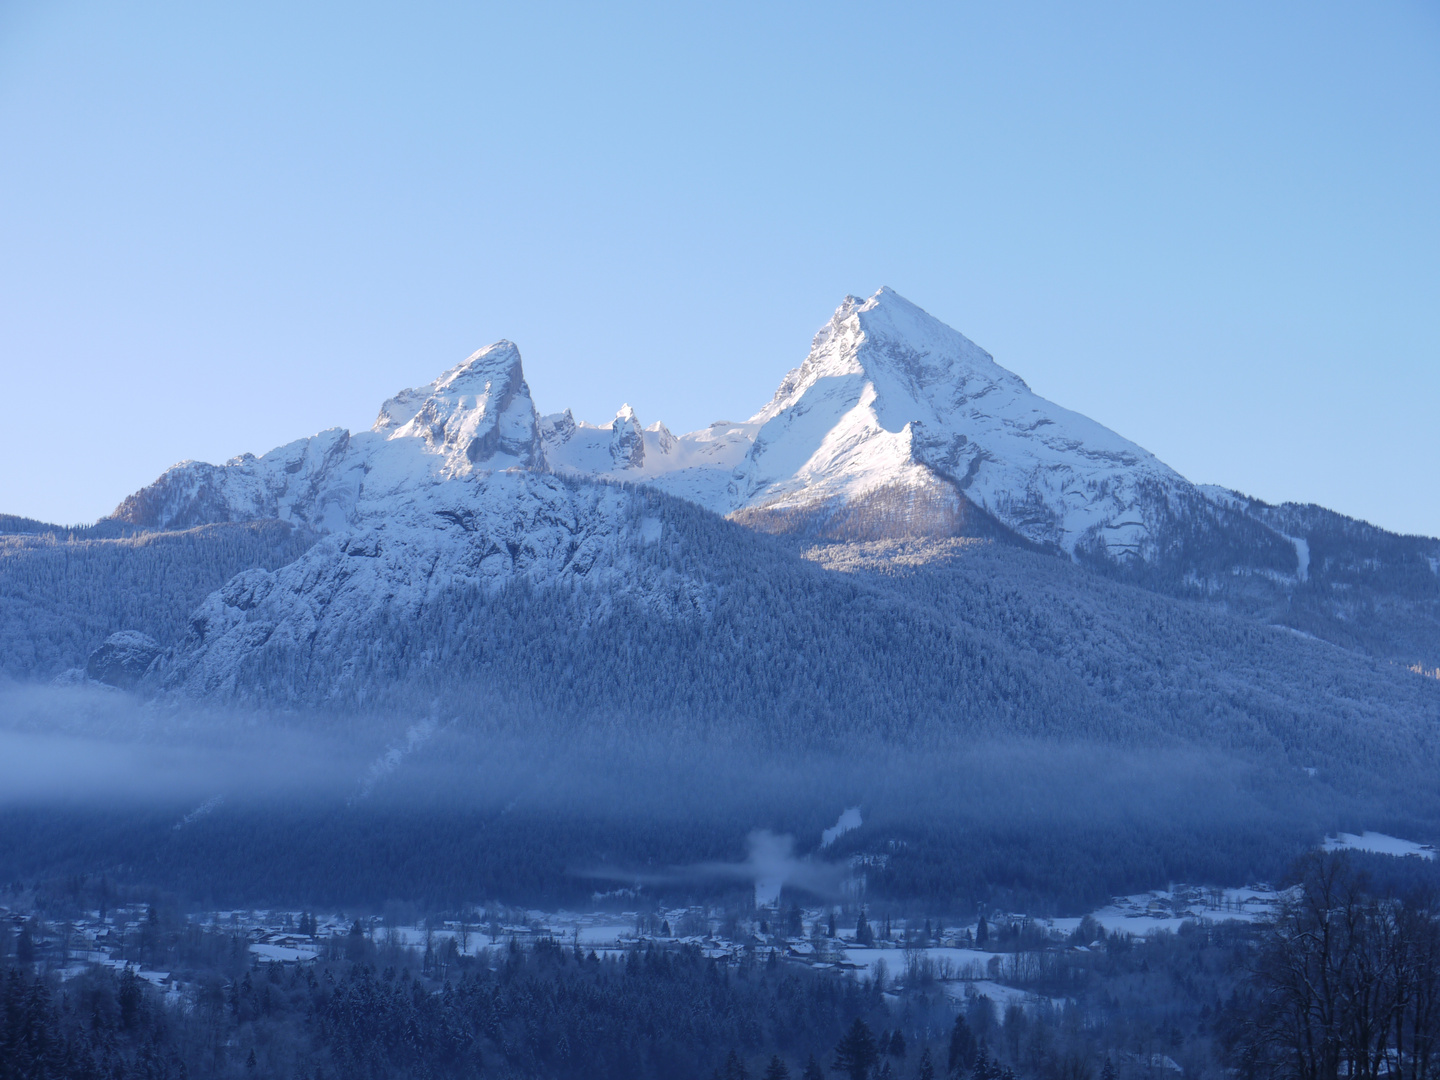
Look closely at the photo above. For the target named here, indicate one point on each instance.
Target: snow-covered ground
(948, 963)
(1379, 844)
(1145, 913)
(957, 962)
(283, 952)
(1003, 996)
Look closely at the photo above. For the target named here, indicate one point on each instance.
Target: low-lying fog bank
(306, 809)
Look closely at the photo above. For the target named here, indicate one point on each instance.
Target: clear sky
(1214, 228)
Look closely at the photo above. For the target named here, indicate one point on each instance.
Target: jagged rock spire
(479, 411)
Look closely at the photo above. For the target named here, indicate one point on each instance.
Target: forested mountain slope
(687, 622)
(1014, 725)
(62, 594)
(1355, 585)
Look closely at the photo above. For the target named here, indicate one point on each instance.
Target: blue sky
(1213, 228)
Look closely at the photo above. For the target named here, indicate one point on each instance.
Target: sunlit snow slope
(898, 414)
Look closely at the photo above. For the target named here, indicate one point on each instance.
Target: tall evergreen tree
(962, 1046)
(863, 934)
(897, 1044)
(856, 1053)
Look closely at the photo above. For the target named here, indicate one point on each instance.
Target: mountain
(447, 491)
(893, 407)
(894, 426)
(548, 567)
(890, 398)
(905, 559)
(474, 419)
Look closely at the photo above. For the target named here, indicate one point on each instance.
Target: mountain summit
(464, 523)
(892, 398)
(479, 411)
(895, 424)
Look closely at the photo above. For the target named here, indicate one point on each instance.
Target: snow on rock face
(697, 467)
(311, 481)
(627, 440)
(895, 419)
(890, 396)
(479, 410)
(907, 423)
(477, 417)
(413, 549)
(123, 659)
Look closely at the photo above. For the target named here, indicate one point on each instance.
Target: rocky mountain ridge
(893, 426)
(888, 400)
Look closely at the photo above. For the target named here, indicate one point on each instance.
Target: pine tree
(927, 1067)
(813, 1071)
(25, 946)
(856, 1052)
(962, 1046)
(777, 1069)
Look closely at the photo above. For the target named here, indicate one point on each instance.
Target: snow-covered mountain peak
(627, 440)
(479, 412)
(904, 420)
(891, 399)
(894, 417)
(889, 338)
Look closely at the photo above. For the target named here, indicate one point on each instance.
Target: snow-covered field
(1003, 996)
(1379, 844)
(961, 963)
(1145, 913)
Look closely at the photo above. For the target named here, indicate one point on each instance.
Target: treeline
(375, 1011)
(1342, 984)
(998, 642)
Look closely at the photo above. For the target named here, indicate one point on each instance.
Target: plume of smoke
(770, 865)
